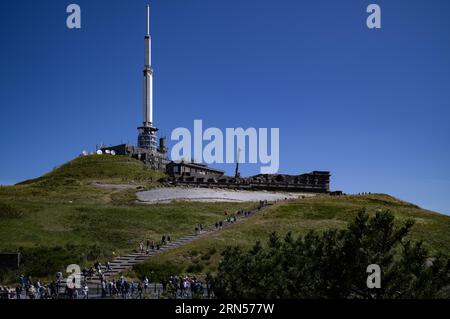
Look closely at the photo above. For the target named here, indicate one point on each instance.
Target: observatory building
(147, 149)
(155, 155)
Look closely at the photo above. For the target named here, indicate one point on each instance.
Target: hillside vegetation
(86, 210)
(64, 216)
(98, 167)
(298, 217)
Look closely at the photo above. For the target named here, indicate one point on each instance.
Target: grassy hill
(299, 217)
(75, 182)
(64, 216)
(114, 169)
(86, 210)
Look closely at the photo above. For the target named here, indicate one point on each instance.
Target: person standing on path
(85, 291)
(145, 284)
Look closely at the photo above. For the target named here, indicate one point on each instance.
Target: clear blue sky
(373, 107)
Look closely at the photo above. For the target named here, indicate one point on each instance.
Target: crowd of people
(175, 287)
(188, 287)
(7, 293)
(26, 288)
(122, 288)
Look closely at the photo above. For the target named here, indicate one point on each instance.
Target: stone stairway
(123, 263)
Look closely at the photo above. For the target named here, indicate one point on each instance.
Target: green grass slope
(98, 167)
(299, 217)
(74, 182)
(64, 217)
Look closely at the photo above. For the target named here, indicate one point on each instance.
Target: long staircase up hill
(123, 263)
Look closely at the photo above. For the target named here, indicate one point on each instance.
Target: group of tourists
(175, 287)
(264, 203)
(152, 245)
(199, 229)
(122, 288)
(28, 289)
(188, 287)
(7, 293)
(230, 219)
(98, 269)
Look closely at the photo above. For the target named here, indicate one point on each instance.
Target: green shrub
(333, 264)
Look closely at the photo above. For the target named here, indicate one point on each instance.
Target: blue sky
(371, 106)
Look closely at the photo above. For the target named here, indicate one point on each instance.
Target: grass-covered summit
(105, 168)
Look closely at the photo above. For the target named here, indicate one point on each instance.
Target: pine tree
(333, 264)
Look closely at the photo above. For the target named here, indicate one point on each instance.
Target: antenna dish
(99, 152)
(113, 153)
(84, 153)
(107, 151)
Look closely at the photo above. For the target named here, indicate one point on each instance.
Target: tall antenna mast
(148, 19)
(147, 137)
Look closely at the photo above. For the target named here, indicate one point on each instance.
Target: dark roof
(292, 176)
(195, 165)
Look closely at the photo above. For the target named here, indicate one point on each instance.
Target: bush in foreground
(333, 264)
